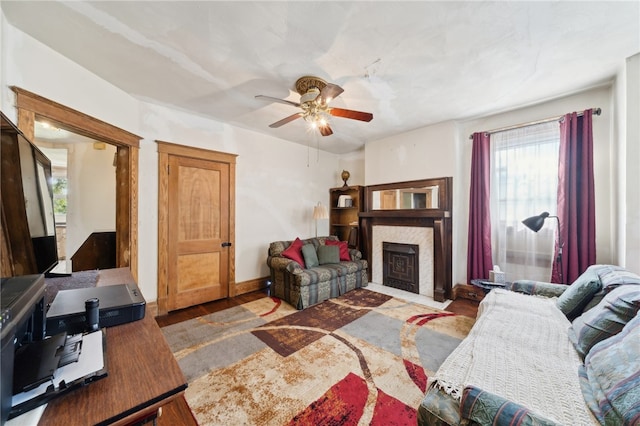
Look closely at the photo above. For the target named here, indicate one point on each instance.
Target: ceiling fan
(315, 95)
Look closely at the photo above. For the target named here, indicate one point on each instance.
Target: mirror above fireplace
(431, 196)
(425, 197)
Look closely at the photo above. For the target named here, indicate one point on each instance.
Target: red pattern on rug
(344, 404)
(425, 318)
(416, 373)
(277, 302)
(391, 412)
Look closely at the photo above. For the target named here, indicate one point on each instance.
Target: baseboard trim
(235, 290)
(250, 285)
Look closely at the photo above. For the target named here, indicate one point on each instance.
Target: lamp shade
(535, 222)
(320, 212)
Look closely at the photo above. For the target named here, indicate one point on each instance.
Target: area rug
(360, 359)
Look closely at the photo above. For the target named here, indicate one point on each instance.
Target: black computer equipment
(22, 322)
(117, 304)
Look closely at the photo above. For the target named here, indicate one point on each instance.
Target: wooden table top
(142, 376)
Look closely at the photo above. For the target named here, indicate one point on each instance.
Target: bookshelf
(343, 214)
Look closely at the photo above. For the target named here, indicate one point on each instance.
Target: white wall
(354, 164)
(91, 193)
(276, 187)
(629, 165)
(429, 152)
(445, 150)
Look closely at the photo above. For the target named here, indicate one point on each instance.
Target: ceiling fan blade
(285, 120)
(330, 91)
(354, 115)
(282, 101)
(325, 130)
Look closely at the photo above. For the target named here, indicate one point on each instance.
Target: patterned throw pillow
(486, 408)
(344, 248)
(310, 256)
(606, 319)
(294, 252)
(328, 254)
(576, 297)
(611, 277)
(612, 371)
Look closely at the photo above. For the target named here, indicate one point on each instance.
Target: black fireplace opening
(400, 266)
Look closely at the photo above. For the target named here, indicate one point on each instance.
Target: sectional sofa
(546, 354)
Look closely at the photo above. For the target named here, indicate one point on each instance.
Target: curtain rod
(596, 111)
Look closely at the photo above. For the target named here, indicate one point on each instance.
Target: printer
(48, 351)
(22, 322)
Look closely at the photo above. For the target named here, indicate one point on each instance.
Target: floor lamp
(535, 223)
(319, 212)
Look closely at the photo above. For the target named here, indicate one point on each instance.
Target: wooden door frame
(165, 150)
(31, 106)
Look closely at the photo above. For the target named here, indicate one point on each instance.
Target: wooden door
(198, 231)
(196, 223)
(389, 201)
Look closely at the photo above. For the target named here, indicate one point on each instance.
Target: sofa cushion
(612, 370)
(344, 249)
(328, 254)
(294, 252)
(310, 256)
(606, 319)
(573, 300)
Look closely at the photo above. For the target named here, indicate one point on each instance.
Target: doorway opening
(84, 187)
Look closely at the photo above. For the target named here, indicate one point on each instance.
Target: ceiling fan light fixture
(311, 95)
(315, 96)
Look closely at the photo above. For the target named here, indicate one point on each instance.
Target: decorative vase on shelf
(345, 177)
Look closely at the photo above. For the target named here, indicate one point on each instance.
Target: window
(524, 182)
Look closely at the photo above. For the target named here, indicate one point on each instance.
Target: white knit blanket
(519, 349)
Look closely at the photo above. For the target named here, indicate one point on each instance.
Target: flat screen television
(35, 178)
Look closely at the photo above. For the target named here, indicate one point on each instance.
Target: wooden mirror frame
(31, 106)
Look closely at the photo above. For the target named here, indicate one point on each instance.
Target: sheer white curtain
(524, 183)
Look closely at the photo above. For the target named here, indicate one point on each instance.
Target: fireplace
(415, 236)
(407, 223)
(400, 267)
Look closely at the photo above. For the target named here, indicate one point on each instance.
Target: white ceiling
(411, 64)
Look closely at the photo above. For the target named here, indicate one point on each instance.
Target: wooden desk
(142, 376)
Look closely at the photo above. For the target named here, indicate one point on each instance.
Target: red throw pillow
(344, 248)
(294, 252)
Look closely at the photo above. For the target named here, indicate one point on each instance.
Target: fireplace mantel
(437, 218)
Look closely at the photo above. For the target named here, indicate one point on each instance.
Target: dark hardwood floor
(178, 412)
(459, 306)
(174, 317)
(466, 307)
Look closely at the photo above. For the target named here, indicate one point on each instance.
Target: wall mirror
(416, 197)
(413, 198)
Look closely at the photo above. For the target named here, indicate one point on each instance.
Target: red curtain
(479, 261)
(576, 199)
